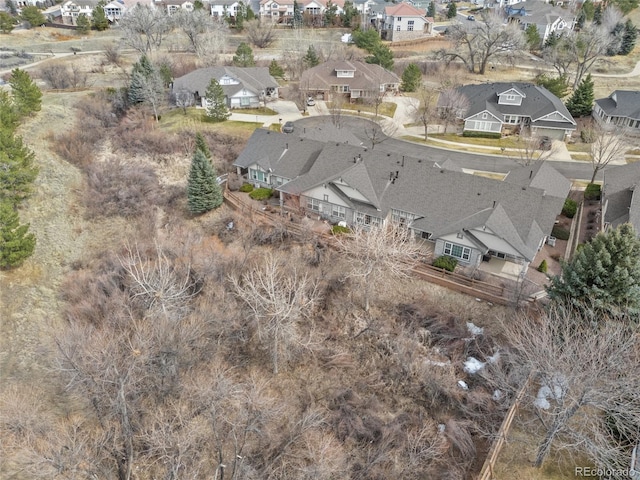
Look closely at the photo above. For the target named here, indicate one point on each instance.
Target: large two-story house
(350, 79)
(405, 22)
(547, 18)
(242, 87)
(514, 106)
(468, 217)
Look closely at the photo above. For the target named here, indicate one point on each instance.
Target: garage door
(552, 133)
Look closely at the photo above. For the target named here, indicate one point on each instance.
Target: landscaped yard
(256, 111)
(176, 119)
(386, 109)
(508, 142)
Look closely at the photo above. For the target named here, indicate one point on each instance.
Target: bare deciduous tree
(584, 390)
(425, 110)
(335, 109)
(452, 105)
(195, 25)
(475, 43)
(387, 251)
(609, 145)
(529, 149)
(143, 28)
(184, 99)
(279, 296)
(260, 33)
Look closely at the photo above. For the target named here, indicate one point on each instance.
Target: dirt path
(29, 296)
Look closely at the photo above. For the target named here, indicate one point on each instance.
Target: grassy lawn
(175, 120)
(461, 147)
(494, 176)
(578, 147)
(509, 142)
(255, 111)
(387, 109)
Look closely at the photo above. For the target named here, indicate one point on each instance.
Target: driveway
(286, 111)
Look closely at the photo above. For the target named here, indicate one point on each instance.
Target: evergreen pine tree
(7, 22)
(556, 85)
(83, 23)
(204, 193)
(217, 109)
(16, 244)
(597, 14)
(381, 55)
(11, 6)
(603, 277)
(27, 97)
(8, 116)
(17, 169)
(33, 16)
(452, 10)
(201, 145)
(411, 78)
(580, 103)
(99, 18)
(431, 9)
(142, 70)
(330, 13)
(533, 37)
(275, 70)
(249, 14)
(311, 58)
(198, 5)
(239, 18)
(629, 38)
(589, 9)
(297, 14)
(244, 56)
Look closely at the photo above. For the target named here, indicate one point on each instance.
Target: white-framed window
(398, 28)
(425, 235)
(367, 220)
(410, 25)
(338, 211)
(245, 101)
(512, 119)
(314, 204)
(510, 97)
(457, 251)
(325, 197)
(485, 115)
(225, 81)
(257, 175)
(399, 19)
(402, 218)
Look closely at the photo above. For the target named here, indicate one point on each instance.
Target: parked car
(545, 143)
(471, 18)
(288, 127)
(311, 102)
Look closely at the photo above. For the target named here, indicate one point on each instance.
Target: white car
(310, 102)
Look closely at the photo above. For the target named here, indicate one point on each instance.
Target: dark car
(471, 18)
(288, 127)
(545, 143)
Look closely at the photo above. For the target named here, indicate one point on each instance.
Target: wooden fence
(489, 464)
(453, 281)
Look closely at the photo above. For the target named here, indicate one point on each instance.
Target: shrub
(543, 266)
(446, 262)
(481, 134)
(588, 135)
(592, 192)
(570, 208)
(560, 233)
(261, 193)
(338, 230)
(246, 188)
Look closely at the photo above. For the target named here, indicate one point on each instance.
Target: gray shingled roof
(254, 78)
(627, 104)
(537, 103)
(621, 194)
(539, 13)
(445, 200)
(543, 176)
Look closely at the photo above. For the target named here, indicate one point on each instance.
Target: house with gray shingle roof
(621, 108)
(547, 18)
(514, 107)
(350, 78)
(469, 217)
(621, 196)
(242, 87)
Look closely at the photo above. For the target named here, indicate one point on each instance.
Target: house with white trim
(72, 9)
(243, 87)
(469, 217)
(511, 107)
(547, 18)
(621, 109)
(405, 22)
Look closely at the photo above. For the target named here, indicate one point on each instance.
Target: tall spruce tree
(8, 116)
(204, 193)
(201, 145)
(431, 9)
(99, 17)
(311, 58)
(217, 109)
(244, 56)
(452, 10)
(629, 38)
(83, 24)
(275, 70)
(27, 97)
(411, 78)
(603, 278)
(7, 22)
(17, 168)
(16, 244)
(580, 103)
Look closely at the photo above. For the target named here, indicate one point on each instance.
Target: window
(367, 220)
(257, 175)
(399, 19)
(225, 81)
(338, 211)
(313, 204)
(326, 198)
(510, 98)
(398, 28)
(457, 251)
(245, 101)
(425, 235)
(485, 115)
(410, 25)
(513, 119)
(400, 217)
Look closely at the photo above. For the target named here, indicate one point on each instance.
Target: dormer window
(399, 19)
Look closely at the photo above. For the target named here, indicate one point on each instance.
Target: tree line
(17, 168)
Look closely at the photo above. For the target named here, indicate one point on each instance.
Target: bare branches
(144, 27)
(260, 33)
(608, 146)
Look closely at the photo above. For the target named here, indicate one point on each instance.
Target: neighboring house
(243, 87)
(547, 18)
(469, 217)
(512, 106)
(224, 8)
(405, 22)
(72, 9)
(173, 6)
(276, 10)
(621, 108)
(349, 78)
(621, 196)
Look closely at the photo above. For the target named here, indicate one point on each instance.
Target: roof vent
(524, 188)
(388, 154)
(494, 204)
(441, 171)
(337, 144)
